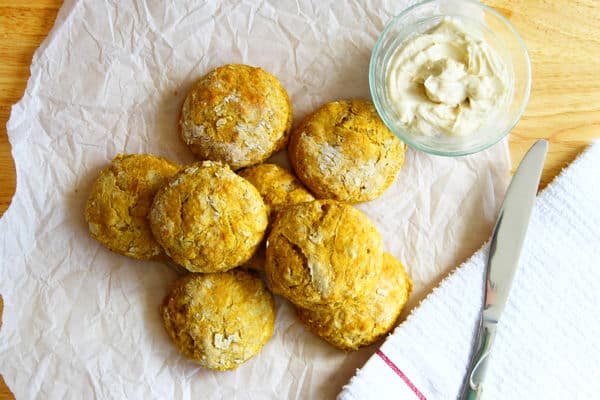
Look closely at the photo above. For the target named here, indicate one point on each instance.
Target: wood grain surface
(563, 38)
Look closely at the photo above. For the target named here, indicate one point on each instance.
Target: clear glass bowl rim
(405, 135)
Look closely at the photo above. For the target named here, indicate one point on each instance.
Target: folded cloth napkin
(547, 344)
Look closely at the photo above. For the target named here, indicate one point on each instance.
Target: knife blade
(503, 258)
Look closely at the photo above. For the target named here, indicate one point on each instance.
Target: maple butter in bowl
(450, 77)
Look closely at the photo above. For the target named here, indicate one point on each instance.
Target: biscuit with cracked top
(208, 219)
(117, 207)
(365, 319)
(344, 151)
(236, 114)
(322, 252)
(219, 320)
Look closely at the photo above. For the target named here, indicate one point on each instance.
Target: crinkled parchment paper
(82, 322)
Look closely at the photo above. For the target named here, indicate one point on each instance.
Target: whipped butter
(448, 80)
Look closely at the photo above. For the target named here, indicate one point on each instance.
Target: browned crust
(322, 252)
(344, 151)
(365, 319)
(219, 320)
(119, 202)
(236, 114)
(208, 219)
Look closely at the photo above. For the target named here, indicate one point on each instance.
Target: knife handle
(476, 374)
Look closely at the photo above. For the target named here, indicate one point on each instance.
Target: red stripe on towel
(395, 368)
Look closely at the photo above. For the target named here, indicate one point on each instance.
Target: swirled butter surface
(448, 80)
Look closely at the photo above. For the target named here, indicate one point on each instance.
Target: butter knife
(505, 250)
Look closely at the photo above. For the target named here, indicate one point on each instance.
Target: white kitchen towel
(547, 344)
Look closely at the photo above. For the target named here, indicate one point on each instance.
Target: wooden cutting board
(563, 38)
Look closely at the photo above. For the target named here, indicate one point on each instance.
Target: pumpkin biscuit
(118, 205)
(219, 320)
(322, 252)
(344, 151)
(279, 188)
(364, 320)
(236, 114)
(208, 219)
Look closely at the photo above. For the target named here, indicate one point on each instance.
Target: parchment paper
(81, 322)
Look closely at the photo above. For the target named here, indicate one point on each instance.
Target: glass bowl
(496, 31)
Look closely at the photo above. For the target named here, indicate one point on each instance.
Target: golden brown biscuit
(219, 320)
(362, 321)
(118, 205)
(344, 151)
(278, 188)
(236, 114)
(208, 219)
(322, 252)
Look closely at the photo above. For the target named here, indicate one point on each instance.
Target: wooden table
(562, 36)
